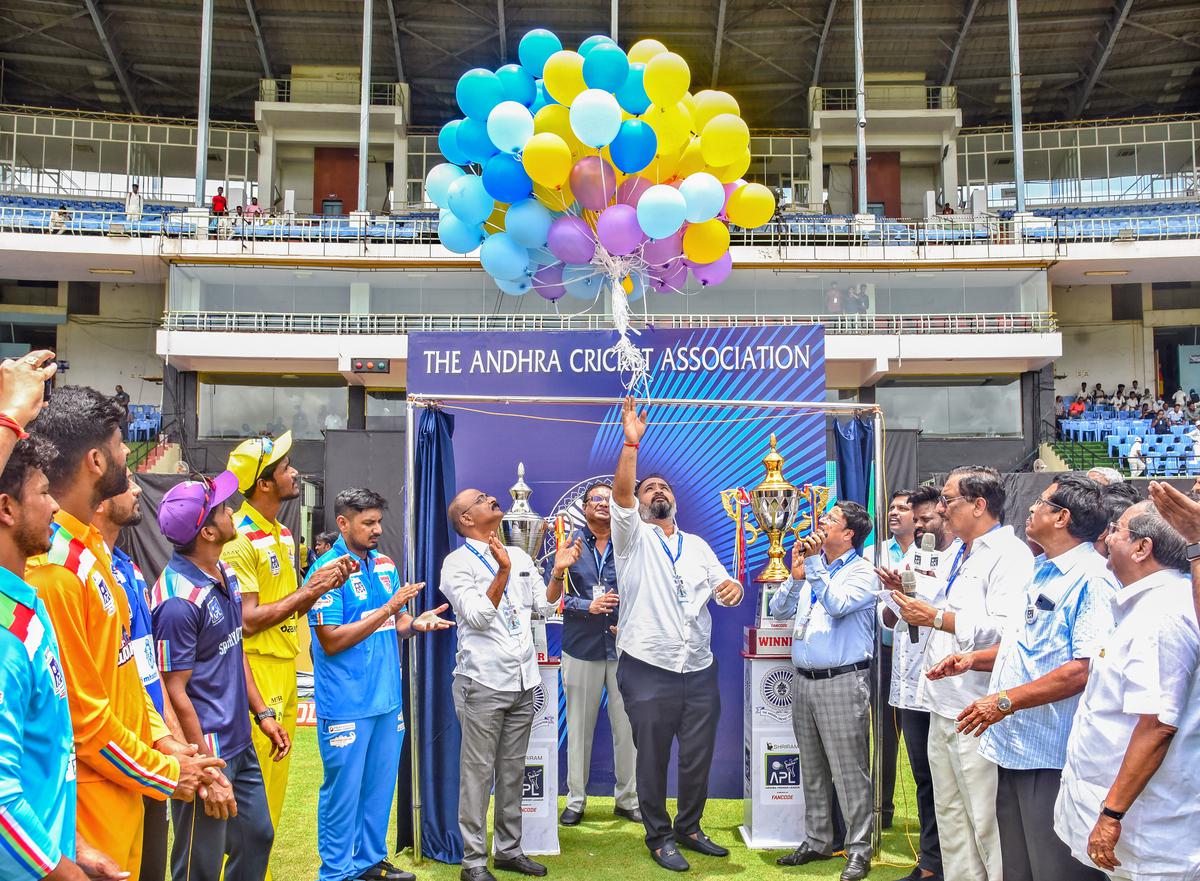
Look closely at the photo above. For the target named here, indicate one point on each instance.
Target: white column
(266, 169)
(400, 167)
(364, 106)
(816, 172)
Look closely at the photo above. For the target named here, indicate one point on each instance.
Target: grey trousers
(831, 718)
(583, 682)
(495, 734)
(1025, 814)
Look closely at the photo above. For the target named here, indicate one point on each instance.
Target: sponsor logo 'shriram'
(230, 641)
(682, 359)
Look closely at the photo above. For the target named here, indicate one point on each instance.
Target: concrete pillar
(399, 168)
(816, 173)
(950, 170)
(266, 169)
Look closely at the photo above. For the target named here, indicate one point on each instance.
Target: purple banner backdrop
(702, 449)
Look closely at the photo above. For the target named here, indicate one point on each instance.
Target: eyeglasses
(598, 500)
(946, 500)
(265, 447)
(1041, 501)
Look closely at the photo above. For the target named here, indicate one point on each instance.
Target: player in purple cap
(197, 618)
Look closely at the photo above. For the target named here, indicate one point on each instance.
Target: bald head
(474, 514)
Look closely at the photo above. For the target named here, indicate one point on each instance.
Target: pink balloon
(659, 253)
(570, 240)
(713, 273)
(547, 281)
(729, 191)
(671, 280)
(618, 229)
(631, 189)
(593, 182)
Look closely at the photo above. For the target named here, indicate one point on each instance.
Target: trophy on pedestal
(778, 508)
(523, 528)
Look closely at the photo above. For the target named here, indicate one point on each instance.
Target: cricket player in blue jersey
(356, 670)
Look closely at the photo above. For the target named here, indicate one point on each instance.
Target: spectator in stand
(59, 218)
(1060, 413)
(1194, 437)
(1180, 397)
(253, 209)
(133, 205)
(1078, 408)
(1161, 424)
(1099, 395)
(1137, 463)
(1135, 392)
(220, 205)
(834, 299)
(1192, 411)
(122, 398)
(1175, 415)
(1084, 394)
(947, 208)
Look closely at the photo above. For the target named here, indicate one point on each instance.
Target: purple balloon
(661, 252)
(670, 280)
(570, 240)
(547, 281)
(618, 230)
(713, 273)
(631, 189)
(593, 182)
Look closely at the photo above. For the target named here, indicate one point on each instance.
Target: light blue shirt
(834, 609)
(895, 557)
(1066, 613)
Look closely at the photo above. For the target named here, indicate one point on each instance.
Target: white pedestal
(773, 795)
(539, 802)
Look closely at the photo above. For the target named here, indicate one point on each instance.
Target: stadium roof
(1081, 58)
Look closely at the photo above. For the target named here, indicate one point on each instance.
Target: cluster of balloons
(594, 164)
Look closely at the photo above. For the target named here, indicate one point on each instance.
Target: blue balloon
(634, 146)
(606, 67)
(660, 211)
(448, 143)
(469, 200)
(515, 288)
(505, 179)
(582, 282)
(632, 94)
(536, 47)
(528, 222)
(586, 47)
(542, 99)
(474, 142)
(438, 182)
(477, 92)
(518, 84)
(459, 237)
(503, 258)
(704, 195)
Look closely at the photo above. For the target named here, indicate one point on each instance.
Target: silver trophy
(521, 527)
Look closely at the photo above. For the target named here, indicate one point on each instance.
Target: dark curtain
(853, 440)
(437, 725)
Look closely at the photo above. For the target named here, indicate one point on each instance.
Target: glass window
(240, 407)
(385, 410)
(975, 410)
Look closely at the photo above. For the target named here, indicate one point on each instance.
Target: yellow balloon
(705, 242)
(710, 104)
(495, 223)
(547, 159)
(554, 198)
(563, 76)
(666, 79)
(750, 206)
(644, 50)
(662, 168)
(627, 285)
(556, 119)
(727, 174)
(671, 124)
(723, 139)
(692, 159)
(689, 101)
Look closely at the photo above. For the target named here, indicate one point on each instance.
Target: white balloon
(704, 195)
(596, 117)
(510, 126)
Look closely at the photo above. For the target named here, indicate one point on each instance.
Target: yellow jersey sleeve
(158, 727)
(243, 558)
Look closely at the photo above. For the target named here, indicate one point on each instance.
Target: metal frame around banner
(826, 408)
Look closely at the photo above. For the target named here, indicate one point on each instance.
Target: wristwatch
(1106, 811)
(1004, 705)
(268, 713)
(1193, 552)
(938, 619)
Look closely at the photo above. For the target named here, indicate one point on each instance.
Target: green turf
(602, 848)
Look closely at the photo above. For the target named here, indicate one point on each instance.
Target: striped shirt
(1064, 614)
(264, 558)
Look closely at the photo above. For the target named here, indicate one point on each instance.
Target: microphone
(908, 582)
(927, 558)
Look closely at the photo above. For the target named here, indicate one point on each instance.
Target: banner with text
(702, 449)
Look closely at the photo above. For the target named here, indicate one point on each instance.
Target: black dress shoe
(479, 873)
(802, 855)
(916, 875)
(570, 817)
(670, 858)
(385, 871)
(522, 864)
(701, 844)
(857, 867)
(633, 814)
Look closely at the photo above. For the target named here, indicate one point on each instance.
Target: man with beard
(113, 515)
(667, 673)
(494, 589)
(124, 748)
(902, 526)
(263, 556)
(198, 633)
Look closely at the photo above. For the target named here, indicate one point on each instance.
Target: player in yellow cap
(263, 557)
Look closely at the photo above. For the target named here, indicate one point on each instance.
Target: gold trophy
(778, 507)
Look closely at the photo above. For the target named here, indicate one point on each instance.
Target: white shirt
(908, 658)
(133, 203)
(495, 643)
(989, 581)
(655, 623)
(1149, 666)
(1180, 397)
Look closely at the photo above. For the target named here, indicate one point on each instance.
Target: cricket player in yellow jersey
(123, 747)
(263, 558)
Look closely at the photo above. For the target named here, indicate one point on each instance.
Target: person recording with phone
(589, 662)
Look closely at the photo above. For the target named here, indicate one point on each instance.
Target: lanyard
(601, 559)
(960, 560)
(482, 559)
(667, 550)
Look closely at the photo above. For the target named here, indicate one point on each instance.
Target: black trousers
(664, 706)
(1025, 815)
(891, 732)
(915, 725)
(154, 841)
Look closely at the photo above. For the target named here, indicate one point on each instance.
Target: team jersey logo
(360, 588)
(386, 581)
(125, 655)
(120, 576)
(274, 561)
(106, 597)
(56, 674)
(215, 615)
(323, 602)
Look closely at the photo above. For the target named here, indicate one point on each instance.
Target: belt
(833, 671)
